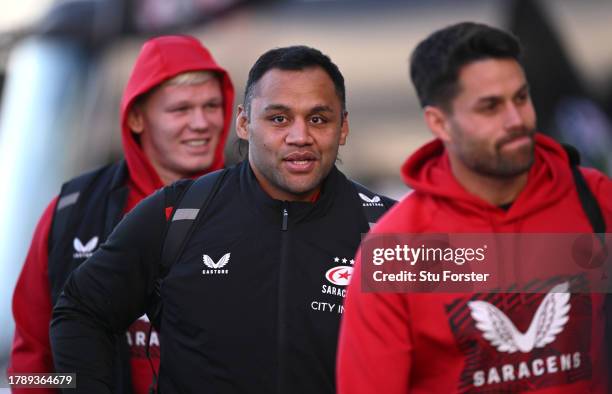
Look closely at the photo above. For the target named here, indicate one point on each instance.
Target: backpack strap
(589, 203)
(186, 213)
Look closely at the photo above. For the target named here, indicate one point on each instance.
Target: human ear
(242, 122)
(438, 122)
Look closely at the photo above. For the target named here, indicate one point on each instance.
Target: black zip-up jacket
(252, 305)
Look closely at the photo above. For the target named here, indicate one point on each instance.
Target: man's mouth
(300, 161)
(516, 140)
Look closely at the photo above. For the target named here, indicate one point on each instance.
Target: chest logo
(84, 251)
(548, 322)
(371, 202)
(340, 275)
(215, 268)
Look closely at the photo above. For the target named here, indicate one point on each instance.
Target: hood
(160, 59)
(428, 171)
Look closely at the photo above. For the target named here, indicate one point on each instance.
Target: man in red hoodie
(175, 115)
(487, 171)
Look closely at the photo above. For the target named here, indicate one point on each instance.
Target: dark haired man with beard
(487, 171)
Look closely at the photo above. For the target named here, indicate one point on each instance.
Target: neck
(495, 190)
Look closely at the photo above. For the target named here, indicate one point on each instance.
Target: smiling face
(490, 126)
(180, 127)
(294, 128)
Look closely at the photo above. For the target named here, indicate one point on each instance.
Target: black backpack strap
(589, 203)
(587, 199)
(374, 206)
(187, 212)
(185, 215)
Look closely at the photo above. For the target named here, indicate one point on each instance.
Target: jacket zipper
(282, 301)
(285, 216)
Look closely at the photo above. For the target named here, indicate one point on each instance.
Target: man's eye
(213, 105)
(317, 119)
(489, 107)
(522, 98)
(278, 119)
(179, 109)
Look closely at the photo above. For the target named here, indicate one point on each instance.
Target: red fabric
(405, 343)
(160, 59)
(32, 308)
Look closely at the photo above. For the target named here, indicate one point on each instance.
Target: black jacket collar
(253, 194)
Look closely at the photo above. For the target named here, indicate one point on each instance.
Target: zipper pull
(285, 216)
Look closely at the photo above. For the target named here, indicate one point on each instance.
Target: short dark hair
(437, 60)
(293, 58)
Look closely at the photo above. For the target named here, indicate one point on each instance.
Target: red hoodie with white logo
(160, 59)
(431, 343)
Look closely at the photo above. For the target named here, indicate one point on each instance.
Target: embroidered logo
(340, 275)
(84, 251)
(215, 268)
(371, 202)
(548, 321)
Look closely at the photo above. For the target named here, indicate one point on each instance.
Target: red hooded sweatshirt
(429, 343)
(160, 59)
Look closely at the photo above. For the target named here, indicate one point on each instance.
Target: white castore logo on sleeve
(548, 322)
(215, 268)
(84, 251)
(371, 202)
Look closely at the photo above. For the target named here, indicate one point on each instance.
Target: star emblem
(344, 275)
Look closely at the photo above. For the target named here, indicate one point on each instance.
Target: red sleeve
(32, 308)
(374, 345)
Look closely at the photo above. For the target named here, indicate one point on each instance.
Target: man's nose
(198, 120)
(513, 118)
(298, 133)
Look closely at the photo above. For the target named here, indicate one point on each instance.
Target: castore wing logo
(84, 251)
(548, 322)
(368, 199)
(215, 268)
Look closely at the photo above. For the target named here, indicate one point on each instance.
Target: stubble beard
(500, 164)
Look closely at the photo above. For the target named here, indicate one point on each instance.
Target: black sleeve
(106, 294)
(388, 202)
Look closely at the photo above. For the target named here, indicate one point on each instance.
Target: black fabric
(588, 201)
(374, 206)
(99, 207)
(247, 308)
(197, 196)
